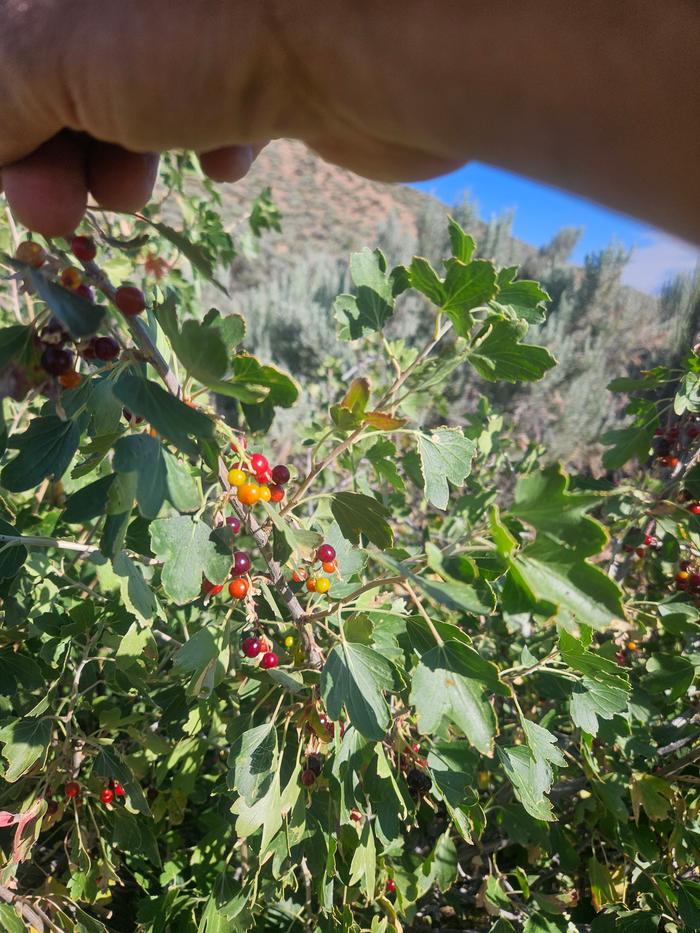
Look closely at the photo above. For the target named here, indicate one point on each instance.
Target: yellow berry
(236, 477)
(31, 253)
(265, 494)
(289, 641)
(323, 584)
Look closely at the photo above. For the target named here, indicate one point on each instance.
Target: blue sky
(540, 211)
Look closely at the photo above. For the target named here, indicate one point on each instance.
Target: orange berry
(264, 644)
(323, 584)
(248, 493)
(265, 494)
(299, 575)
(31, 253)
(631, 645)
(71, 278)
(311, 585)
(329, 567)
(236, 477)
(238, 588)
(70, 380)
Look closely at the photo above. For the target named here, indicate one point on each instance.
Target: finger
(120, 180)
(230, 163)
(47, 190)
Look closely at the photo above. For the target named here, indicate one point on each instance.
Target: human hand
(597, 98)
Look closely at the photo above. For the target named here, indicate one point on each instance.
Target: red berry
(105, 348)
(211, 589)
(119, 790)
(620, 658)
(269, 660)
(355, 815)
(106, 795)
(70, 380)
(668, 462)
(415, 747)
(83, 248)
(85, 292)
(648, 540)
(280, 475)
(263, 477)
(258, 463)
(241, 563)
(640, 551)
(325, 553)
(238, 588)
(129, 300)
(694, 580)
(276, 493)
(234, 523)
(694, 508)
(390, 886)
(251, 647)
(56, 361)
(308, 777)
(329, 567)
(72, 789)
(299, 575)
(311, 585)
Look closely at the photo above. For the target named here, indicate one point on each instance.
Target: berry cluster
(254, 481)
(72, 789)
(672, 441)
(325, 556)
(57, 360)
(255, 646)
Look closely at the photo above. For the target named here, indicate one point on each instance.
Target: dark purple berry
(105, 348)
(280, 475)
(308, 777)
(234, 523)
(56, 361)
(241, 563)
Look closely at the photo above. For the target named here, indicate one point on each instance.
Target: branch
(27, 912)
(373, 584)
(146, 345)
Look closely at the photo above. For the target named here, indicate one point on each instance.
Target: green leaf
(199, 348)
(136, 594)
(688, 395)
(253, 761)
(137, 651)
(167, 414)
(354, 676)
(197, 255)
(454, 594)
(373, 305)
(463, 245)
(529, 768)
(634, 441)
(80, 317)
(543, 501)
(362, 515)
(160, 476)
(670, 672)
(280, 390)
(201, 656)
(445, 454)
(604, 689)
(18, 672)
(14, 342)
(363, 868)
(450, 684)
(89, 502)
(188, 553)
(25, 743)
(575, 589)
(298, 540)
(652, 794)
(499, 354)
(467, 286)
(46, 448)
(689, 903)
(525, 298)
(13, 558)
(10, 922)
(424, 279)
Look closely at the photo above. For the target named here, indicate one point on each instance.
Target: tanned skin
(599, 97)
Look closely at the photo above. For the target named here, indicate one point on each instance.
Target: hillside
(597, 328)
